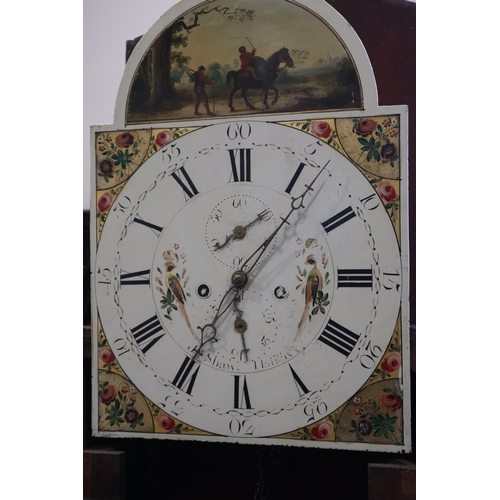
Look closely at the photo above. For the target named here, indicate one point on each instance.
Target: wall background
(107, 25)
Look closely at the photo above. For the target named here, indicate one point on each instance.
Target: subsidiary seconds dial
(232, 220)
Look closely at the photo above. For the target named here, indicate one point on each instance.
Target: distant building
(185, 81)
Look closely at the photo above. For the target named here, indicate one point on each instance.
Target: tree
(153, 82)
(214, 71)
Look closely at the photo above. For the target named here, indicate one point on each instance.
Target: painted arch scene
(243, 57)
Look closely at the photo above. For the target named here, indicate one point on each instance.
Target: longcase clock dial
(313, 309)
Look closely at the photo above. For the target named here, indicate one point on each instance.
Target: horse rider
(245, 61)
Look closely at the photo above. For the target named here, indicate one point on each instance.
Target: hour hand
(239, 232)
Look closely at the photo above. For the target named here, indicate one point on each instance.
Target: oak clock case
(242, 279)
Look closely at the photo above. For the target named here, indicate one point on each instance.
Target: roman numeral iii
(354, 278)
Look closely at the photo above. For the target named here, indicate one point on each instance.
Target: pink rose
(386, 190)
(321, 129)
(124, 140)
(392, 362)
(108, 394)
(105, 202)
(322, 429)
(366, 127)
(166, 422)
(163, 138)
(106, 355)
(390, 401)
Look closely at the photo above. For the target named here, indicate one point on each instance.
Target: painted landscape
(299, 59)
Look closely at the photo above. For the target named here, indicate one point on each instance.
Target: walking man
(200, 80)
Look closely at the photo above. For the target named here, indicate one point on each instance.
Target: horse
(266, 69)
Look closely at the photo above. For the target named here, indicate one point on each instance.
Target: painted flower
(322, 429)
(388, 151)
(386, 191)
(163, 138)
(108, 394)
(106, 167)
(392, 362)
(131, 415)
(124, 140)
(390, 401)
(106, 355)
(166, 422)
(105, 202)
(364, 427)
(321, 129)
(366, 127)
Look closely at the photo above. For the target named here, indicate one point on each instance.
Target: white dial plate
(160, 279)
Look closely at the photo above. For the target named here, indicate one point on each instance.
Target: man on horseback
(245, 61)
(267, 69)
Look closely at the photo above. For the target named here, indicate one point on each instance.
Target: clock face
(323, 279)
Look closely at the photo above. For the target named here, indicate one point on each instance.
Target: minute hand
(297, 203)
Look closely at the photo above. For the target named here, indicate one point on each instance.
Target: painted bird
(314, 284)
(175, 287)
